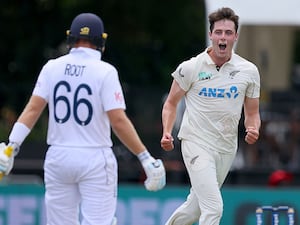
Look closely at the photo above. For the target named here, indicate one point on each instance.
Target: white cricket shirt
(214, 99)
(79, 88)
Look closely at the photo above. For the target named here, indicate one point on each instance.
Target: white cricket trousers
(81, 185)
(207, 171)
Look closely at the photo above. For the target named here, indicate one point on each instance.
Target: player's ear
(236, 36)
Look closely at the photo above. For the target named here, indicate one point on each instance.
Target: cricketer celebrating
(85, 101)
(216, 85)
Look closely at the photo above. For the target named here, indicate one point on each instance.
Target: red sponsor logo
(118, 97)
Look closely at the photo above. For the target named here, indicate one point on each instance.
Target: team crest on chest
(233, 73)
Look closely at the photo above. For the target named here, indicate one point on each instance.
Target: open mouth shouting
(222, 47)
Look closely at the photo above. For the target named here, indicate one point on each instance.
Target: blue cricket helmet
(87, 26)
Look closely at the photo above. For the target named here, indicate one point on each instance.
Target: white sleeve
(253, 90)
(184, 74)
(41, 87)
(112, 93)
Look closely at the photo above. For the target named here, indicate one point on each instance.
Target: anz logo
(232, 92)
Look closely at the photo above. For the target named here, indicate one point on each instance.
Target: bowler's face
(223, 37)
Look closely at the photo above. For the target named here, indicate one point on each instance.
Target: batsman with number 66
(85, 100)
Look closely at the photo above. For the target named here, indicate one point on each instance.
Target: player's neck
(85, 44)
(218, 60)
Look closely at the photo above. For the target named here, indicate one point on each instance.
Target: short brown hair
(223, 13)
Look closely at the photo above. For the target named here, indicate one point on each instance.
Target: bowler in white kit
(216, 85)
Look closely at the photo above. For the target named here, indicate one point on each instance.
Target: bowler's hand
(166, 142)
(252, 135)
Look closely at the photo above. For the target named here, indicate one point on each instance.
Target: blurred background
(146, 42)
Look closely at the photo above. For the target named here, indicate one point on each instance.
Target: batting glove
(7, 157)
(155, 172)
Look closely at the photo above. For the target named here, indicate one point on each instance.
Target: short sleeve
(41, 86)
(184, 74)
(111, 92)
(253, 90)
